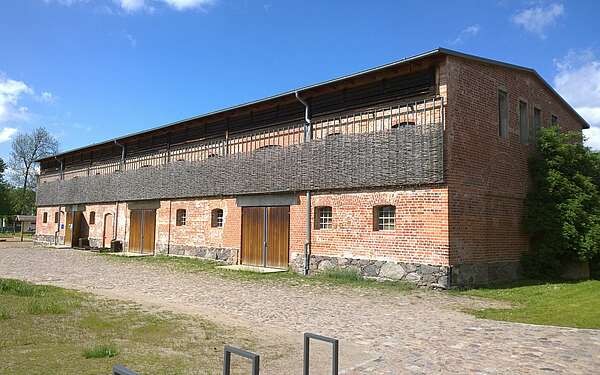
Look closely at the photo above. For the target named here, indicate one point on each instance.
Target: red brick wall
(487, 175)
(49, 228)
(420, 234)
(198, 230)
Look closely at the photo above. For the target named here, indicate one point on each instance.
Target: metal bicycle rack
(255, 358)
(122, 370)
(335, 352)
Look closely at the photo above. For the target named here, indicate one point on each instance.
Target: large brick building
(415, 170)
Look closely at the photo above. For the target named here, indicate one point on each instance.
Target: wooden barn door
(142, 226)
(278, 236)
(69, 228)
(253, 234)
(265, 236)
(107, 233)
(148, 229)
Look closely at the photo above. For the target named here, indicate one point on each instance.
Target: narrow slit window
(180, 217)
(384, 218)
(537, 122)
(502, 114)
(523, 123)
(217, 218)
(56, 217)
(92, 218)
(45, 217)
(323, 217)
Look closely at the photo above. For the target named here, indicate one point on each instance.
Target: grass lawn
(50, 330)
(333, 277)
(573, 304)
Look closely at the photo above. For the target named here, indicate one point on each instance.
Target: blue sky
(90, 70)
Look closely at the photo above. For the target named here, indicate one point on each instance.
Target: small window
(92, 217)
(523, 123)
(554, 120)
(384, 218)
(216, 220)
(213, 155)
(45, 218)
(537, 122)
(56, 217)
(502, 114)
(323, 217)
(180, 217)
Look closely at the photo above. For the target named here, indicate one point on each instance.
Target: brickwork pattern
(487, 175)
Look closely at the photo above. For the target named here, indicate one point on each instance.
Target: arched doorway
(108, 232)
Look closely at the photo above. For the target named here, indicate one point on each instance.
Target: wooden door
(69, 228)
(148, 229)
(141, 231)
(107, 233)
(253, 229)
(77, 228)
(278, 220)
(135, 231)
(265, 236)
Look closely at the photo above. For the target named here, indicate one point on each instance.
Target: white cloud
(466, 33)
(578, 81)
(6, 134)
(537, 19)
(11, 92)
(131, 39)
(148, 5)
(47, 97)
(132, 5)
(189, 4)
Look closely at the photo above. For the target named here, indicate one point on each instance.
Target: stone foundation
(226, 255)
(479, 274)
(46, 240)
(420, 274)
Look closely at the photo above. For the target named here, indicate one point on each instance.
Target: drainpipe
(122, 155)
(307, 138)
(61, 166)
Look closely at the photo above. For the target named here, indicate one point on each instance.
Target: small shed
(27, 224)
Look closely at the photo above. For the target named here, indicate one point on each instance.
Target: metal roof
(437, 51)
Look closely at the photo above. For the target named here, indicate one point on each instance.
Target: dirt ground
(380, 332)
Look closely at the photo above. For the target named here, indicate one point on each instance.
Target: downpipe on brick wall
(307, 138)
(122, 155)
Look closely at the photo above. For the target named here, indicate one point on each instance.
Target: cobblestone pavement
(381, 333)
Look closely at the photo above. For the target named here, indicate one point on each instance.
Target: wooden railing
(427, 111)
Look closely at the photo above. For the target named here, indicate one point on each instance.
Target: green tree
(5, 202)
(563, 206)
(26, 149)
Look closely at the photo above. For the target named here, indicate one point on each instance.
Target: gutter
(307, 138)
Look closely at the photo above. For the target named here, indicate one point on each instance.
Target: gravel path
(380, 333)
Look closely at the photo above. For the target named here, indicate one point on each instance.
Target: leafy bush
(563, 207)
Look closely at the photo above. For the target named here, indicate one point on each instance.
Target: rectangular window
(384, 218)
(554, 120)
(216, 220)
(502, 114)
(323, 217)
(92, 218)
(537, 122)
(523, 122)
(56, 217)
(45, 218)
(180, 217)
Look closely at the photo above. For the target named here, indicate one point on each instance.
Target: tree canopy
(563, 206)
